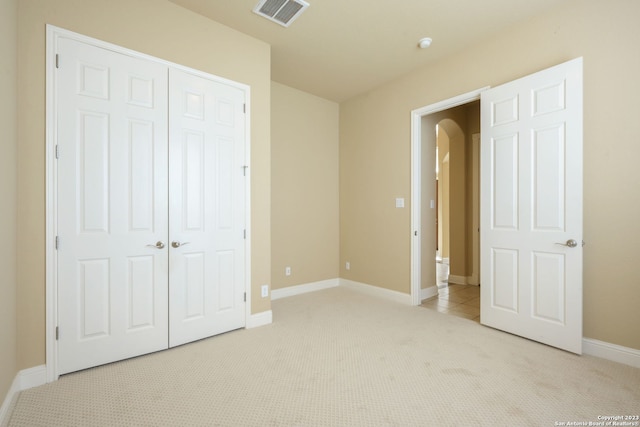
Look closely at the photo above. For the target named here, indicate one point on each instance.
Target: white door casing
(417, 211)
(110, 204)
(207, 196)
(112, 180)
(531, 207)
(475, 207)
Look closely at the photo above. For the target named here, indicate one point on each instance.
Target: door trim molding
(53, 34)
(474, 279)
(416, 175)
(51, 184)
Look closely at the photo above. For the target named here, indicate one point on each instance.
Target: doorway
(531, 205)
(451, 134)
(424, 211)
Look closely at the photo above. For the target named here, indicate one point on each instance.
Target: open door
(531, 207)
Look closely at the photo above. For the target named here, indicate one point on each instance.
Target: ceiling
(340, 48)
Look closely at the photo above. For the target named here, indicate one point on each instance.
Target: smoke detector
(282, 12)
(425, 42)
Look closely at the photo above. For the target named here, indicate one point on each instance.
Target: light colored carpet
(341, 358)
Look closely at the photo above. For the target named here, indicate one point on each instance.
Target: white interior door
(531, 207)
(207, 194)
(112, 206)
(150, 198)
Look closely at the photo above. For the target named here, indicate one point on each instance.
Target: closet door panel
(112, 205)
(150, 205)
(207, 214)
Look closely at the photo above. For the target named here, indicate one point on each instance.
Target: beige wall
(375, 152)
(472, 127)
(442, 144)
(459, 124)
(154, 27)
(455, 131)
(8, 159)
(374, 171)
(304, 192)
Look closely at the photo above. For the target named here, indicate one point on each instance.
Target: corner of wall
(8, 193)
(24, 380)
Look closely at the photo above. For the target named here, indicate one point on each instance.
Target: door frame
(474, 279)
(417, 294)
(53, 34)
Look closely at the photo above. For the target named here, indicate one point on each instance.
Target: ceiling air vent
(283, 12)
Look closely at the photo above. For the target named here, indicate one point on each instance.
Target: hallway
(458, 300)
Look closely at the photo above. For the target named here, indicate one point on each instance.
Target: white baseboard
(457, 280)
(463, 280)
(25, 379)
(332, 283)
(376, 291)
(613, 352)
(33, 377)
(8, 400)
(303, 289)
(427, 293)
(604, 350)
(473, 280)
(259, 319)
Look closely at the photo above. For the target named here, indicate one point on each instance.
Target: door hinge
(244, 108)
(245, 297)
(57, 242)
(57, 61)
(57, 332)
(244, 170)
(244, 232)
(57, 151)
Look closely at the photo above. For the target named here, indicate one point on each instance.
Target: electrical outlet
(287, 271)
(264, 290)
(347, 265)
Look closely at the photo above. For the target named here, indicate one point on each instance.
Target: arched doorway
(446, 197)
(451, 198)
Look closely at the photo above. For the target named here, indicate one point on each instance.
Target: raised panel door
(531, 207)
(112, 206)
(207, 193)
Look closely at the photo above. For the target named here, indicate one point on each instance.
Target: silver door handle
(176, 244)
(159, 245)
(571, 243)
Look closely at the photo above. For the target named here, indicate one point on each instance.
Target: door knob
(571, 243)
(177, 244)
(159, 245)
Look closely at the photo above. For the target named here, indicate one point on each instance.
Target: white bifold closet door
(150, 206)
